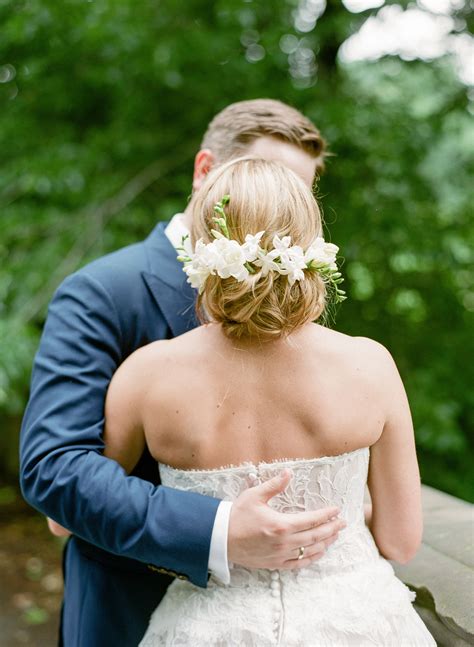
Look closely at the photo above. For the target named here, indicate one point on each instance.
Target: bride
(259, 390)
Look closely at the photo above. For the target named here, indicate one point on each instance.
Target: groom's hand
(260, 537)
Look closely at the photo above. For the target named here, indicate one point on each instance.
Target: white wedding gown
(349, 597)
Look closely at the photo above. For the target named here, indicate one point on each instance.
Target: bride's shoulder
(370, 349)
(356, 350)
(157, 354)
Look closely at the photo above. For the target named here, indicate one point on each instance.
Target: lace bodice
(349, 597)
(316, 483)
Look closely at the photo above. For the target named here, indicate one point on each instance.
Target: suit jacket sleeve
(63, 473)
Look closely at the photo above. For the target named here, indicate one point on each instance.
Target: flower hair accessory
(227, 258)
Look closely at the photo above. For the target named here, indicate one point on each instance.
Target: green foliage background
(103, 107)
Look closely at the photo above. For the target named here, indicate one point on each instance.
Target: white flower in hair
(266, 262)
(206, 255)
(252, 247)
(295, 264)
(198, 265)
(230, 259)
(197, 274)
(227, 258)
(281, 244)
(322, 254)
(291, 259)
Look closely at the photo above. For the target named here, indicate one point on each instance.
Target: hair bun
(265, 196)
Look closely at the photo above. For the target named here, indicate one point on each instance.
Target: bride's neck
(255, 345)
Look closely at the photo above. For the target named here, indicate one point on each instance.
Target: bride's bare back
(202, 401)
(211, 401)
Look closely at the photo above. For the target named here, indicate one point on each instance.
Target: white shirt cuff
(218, 564)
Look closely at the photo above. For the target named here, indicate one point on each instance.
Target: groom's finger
(320, 534)
(317, 548)
(310, 555)
(301, 521)
(267, 490)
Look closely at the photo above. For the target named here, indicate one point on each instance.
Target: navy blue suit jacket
(130, 532)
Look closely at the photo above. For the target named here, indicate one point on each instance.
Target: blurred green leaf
(8, 495)
(35, 616)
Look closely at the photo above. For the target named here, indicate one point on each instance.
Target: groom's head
(265, 128)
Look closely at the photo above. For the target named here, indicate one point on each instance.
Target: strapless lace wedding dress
(349, 597)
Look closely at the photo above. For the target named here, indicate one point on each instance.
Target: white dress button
(253, 476)
(275, 586)
(275, 575)
(275, 593)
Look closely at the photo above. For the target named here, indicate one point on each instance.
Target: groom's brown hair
(234, 128)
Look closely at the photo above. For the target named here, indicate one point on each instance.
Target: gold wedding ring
(301, 555)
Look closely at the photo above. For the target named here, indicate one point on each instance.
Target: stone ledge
(442, 573)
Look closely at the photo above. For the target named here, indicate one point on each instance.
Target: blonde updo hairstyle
(264, 195)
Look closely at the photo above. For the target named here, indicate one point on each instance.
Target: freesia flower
(227, 258)
(197, 273)
(230, 259)
(321, 253)
(281, 244)
(293, 263)
(266, 261)
(251, 246)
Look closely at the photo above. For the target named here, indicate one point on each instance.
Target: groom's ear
(203, 162)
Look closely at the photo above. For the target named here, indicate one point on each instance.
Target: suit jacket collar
(167, 283)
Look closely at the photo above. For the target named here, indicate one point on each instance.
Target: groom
(131, 534)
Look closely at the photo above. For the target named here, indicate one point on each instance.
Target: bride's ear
(203, 162)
